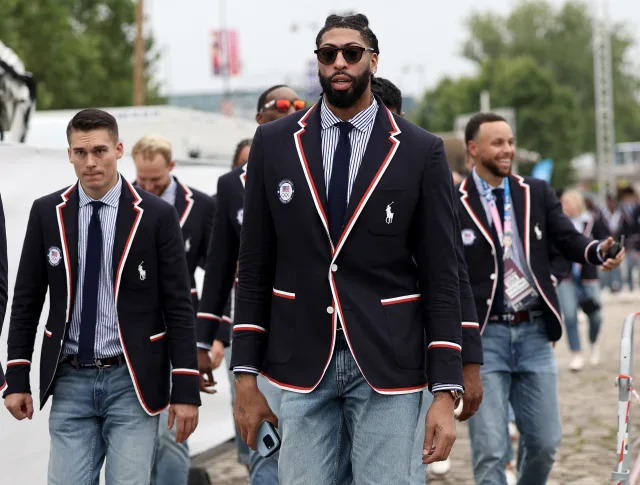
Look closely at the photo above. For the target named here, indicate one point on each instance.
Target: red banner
(225, 53)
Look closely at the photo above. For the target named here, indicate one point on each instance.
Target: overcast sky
(420, 40)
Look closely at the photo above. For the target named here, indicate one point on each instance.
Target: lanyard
(506, 237)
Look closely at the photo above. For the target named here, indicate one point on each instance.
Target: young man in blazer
(153, 159)
(274, 103)
(4, 281)
(508, 223)
(120, 322)
(348, 278)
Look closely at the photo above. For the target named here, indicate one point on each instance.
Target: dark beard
(489, 165)
(345, 99)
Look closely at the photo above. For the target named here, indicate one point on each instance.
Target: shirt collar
(111, 198)
(361, 121)
(169, 194)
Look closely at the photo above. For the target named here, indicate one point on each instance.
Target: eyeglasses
(352, 54)
(283, 105)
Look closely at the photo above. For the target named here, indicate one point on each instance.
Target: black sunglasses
(352, 54)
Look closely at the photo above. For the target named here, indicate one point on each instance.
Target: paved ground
(589, 410)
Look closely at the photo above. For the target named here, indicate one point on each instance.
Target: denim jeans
(380, 429)
(419, 469)
(95, 414)
(264, 471)
(171, 459)
(568, 296)
(519, 367)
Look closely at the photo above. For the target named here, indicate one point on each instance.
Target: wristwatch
(455, 394)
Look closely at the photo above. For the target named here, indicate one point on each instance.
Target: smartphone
(616, 248)
(267, 439)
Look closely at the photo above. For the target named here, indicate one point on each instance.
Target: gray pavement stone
(588, 402)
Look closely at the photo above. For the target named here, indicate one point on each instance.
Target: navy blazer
(540, 222)
(4, 282)
(393, 285)
(155, 315)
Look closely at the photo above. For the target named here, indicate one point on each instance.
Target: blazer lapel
(184, 202)
(309, 146)
(68, 225)
(520, 202)
(127, 221)
(380, 150)
(471, 200)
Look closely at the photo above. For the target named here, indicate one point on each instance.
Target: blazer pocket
(402, 315)
(282, 328)
(384, 211)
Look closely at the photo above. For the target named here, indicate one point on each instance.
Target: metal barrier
(621, 473)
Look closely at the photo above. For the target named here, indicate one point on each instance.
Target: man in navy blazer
(348, 278)
(120, 321)
(4, 282)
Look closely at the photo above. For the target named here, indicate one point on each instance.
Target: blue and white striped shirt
(107, 343)
(358, 137)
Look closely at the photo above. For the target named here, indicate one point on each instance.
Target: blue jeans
(380, 429)
(611, 279)
(519, 367)
(171, 459)
(95, 414)
(568, 296)
(264, 471)
(419, 469)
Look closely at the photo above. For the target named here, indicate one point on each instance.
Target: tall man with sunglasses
(348, 278)
(220, 271)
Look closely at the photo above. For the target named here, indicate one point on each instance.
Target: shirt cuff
(599, 252)
(446, 387)
(204, 346)
(245, 369)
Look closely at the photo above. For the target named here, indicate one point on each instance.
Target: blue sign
(543, 170)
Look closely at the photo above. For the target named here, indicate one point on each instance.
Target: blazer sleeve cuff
(446, 387)
(17, 378)
(444, 364)
(186, 386)
(249, 345)
(471, 343)
(592, 253)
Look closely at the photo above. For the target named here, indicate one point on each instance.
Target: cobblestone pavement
(588, 401)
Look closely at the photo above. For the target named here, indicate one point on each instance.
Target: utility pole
(138, 66)
(603, 88)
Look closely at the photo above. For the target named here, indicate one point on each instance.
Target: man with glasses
(220, 271)
(348, 279)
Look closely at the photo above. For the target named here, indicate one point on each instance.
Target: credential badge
(285, 191)
(54, 255)
(468, 237)
(240, 216)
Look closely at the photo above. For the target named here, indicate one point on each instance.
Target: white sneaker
(577, 362)
(595, 354)
(512, 478)
(440, 467)
(513, 431)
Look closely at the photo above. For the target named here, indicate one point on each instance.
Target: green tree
(538, 59)
(79, 51)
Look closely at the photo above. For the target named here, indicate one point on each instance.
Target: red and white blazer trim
(284, 294)
(47, 332)
(158, 336)
(4, 386)
(249, 328)
(227, 319)
(191, 372)
(400, 299)
(208, 316)
(470, 325)
(586, 251)
(194, 291)
(18, 362)
(443, 344)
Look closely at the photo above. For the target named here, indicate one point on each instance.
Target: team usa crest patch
(54, 256)
(468, 237)
(285, 191)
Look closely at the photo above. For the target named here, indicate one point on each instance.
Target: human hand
(472, 391)
(20, 405)
(440, 427)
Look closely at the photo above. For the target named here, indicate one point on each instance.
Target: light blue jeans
(419, 469)
(95, 414)
(171, 459)
(264, 471)
(568, 296)
(380, 429)
(519, 367)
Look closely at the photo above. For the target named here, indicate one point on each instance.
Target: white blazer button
(489, 301)
(492, 276)
(334, 267)
(330, 310)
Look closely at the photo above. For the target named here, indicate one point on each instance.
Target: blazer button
(492, 276)
(330, 310)
(334, 268)
(489, 301)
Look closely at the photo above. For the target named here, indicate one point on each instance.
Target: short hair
(388, 92)
(91, 119)
(150, 145)
(239, 147)
(358, 22)
(576, 197)
(473, 125)
(262, 100)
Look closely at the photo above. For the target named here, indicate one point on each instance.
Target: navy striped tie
(92, 265)
(339, 182)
